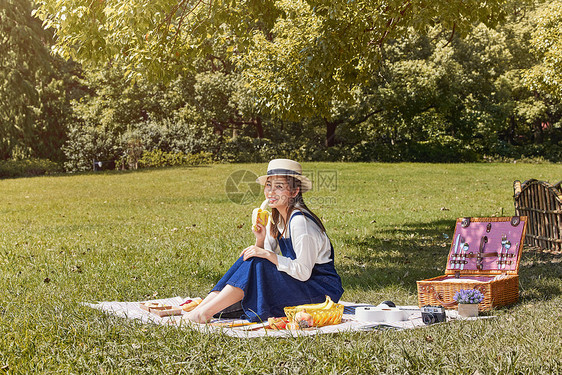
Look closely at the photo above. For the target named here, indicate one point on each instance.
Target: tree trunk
(259, 127)
(511, 134)
(538, 133)
(331, 132)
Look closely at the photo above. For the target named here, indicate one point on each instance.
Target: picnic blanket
(132, 310)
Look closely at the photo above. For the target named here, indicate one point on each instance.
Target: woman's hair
(296, 203)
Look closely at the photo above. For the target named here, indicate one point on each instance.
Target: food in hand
(304, 319)
(261, 214)
(277, 323)
(191, 304)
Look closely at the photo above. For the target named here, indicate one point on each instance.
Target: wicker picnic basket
(484, 255)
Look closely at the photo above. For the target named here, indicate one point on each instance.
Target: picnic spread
(353, 318)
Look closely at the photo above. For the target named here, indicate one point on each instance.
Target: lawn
(161, 233)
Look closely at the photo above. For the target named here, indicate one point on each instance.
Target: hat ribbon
(282, 171)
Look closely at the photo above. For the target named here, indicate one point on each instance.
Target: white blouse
(310, 244)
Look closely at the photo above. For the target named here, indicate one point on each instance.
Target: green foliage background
(248, 81)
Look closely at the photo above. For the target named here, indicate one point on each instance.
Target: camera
(433, 314)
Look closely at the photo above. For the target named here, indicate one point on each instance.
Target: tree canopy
(299, 58)
(547, 41)
(33, 86)
(159, 82)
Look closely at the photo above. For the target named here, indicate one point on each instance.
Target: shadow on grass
(540, 275)
(400, 256)
(397, 256)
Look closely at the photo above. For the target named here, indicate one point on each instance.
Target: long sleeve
(311, 246)
(270, 243)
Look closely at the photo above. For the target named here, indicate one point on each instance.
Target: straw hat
(286, 167)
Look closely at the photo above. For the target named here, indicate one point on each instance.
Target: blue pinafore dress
(267, 290)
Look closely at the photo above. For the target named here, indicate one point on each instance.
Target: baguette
(191, 305)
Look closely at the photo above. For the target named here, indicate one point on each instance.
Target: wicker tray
(486, 266)
(321, 318)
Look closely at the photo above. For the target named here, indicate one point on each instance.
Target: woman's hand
(258, 252)
(260, 233)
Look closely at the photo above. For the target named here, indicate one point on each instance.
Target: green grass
(132, 236)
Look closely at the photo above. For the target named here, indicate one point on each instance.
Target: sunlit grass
(132, 236)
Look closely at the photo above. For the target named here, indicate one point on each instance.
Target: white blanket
(132, 310)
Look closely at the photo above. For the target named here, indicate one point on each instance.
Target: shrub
(28, 168)
(88, 143)
(176, 135)
(544, 152)
(442, 149)
(159, 158)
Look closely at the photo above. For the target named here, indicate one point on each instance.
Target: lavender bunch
(468, 296)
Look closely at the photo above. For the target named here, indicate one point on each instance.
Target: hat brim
(306, 184)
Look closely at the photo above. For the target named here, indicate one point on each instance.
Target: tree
(438, 99)
(107, 118)
(547, 42)
(299, 58)
(34, 86)
(22, 54)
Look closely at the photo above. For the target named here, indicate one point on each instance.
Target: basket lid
(487, 245)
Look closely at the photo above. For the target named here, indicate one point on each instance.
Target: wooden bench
(541, 202)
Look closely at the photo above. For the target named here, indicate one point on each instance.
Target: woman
(291, 263)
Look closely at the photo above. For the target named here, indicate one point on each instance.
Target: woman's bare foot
(213, 303)
(208, 298)
(198, 316)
